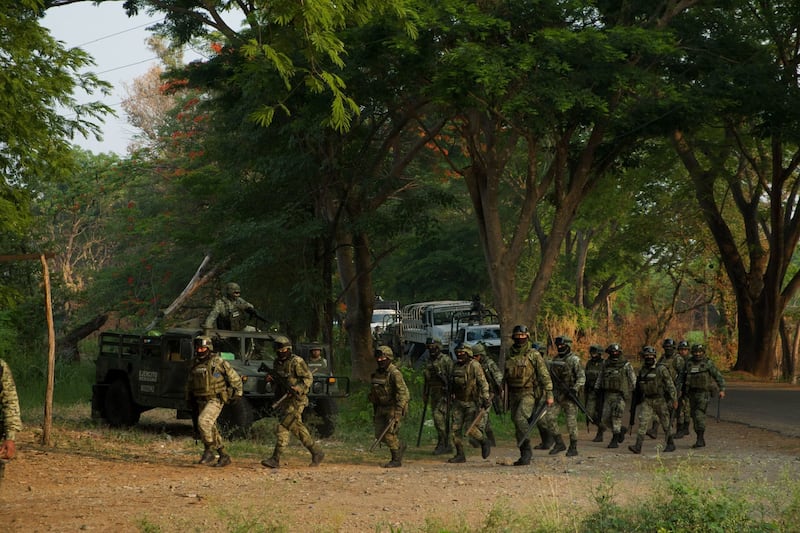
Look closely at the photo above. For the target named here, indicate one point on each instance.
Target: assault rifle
(537, 415)
(422, 419)
(572, 396)
(481, 413)
(389, 425)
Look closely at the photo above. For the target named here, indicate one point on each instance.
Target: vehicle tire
(236, 419)
(119, 409)
(323, 420)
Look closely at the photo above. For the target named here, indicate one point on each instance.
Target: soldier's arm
(10, 405)
(543, 375)
(580, 375)
(483, 385)
(402, 396)
(303, 374)
(211, 319)
(233, 378)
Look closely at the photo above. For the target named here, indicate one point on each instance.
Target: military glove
(8, 450)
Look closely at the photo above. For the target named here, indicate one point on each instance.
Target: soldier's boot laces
(486, 447)
(599, 436)
(224, 458)
(614, 441)
(637, 447)
(525, 454)
(701, 442)
(573, 448)
(208, 457)
(317, 455)
(459, 456)
(670, 445)
(547, 441)
(653, 431)
(559, 446)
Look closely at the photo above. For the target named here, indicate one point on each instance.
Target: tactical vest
(234, 318)
(380, 392)
(649, 383)
(592, 371)
(614, 378)
(562, 372)
(206, 378)
(673, 365)
(434, 380)
(283, 369)
(520, 372)
(697, 374)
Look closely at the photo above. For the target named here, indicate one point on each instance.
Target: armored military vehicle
(136, 372)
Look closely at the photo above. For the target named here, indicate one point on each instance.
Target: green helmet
(203, 341)
(232, 290)
(279, 342)
(479, 349)
(384, 351)
(464, 349)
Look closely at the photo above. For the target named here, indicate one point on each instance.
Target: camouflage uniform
(683, 416)
(697, 381)
(10, 420)
(293, 379)
(494, 377)
(567, 374)
(212, 383)
(316, 363)
(593, 399)
(658, 395)
(470, 392)
(616, 381)
(389, 397)
(528, 383)
(231, 312)
(437, 377)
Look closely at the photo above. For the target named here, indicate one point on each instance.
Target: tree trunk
(758, 337)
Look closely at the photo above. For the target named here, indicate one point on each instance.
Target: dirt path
(110, 485)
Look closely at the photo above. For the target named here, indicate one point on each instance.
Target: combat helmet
(614, 349)
(280, 342)
(203, 341)
(232, 290)
(479, 349)
(384, 351)
(698, 349)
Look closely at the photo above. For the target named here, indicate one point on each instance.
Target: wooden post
(51, 357)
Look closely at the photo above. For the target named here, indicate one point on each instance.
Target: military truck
(136, 373)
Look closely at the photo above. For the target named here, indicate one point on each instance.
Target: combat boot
(224, 458)
(637, 447)
(547, 440)
(573, 448)
(701, 442)
(208, 457)
(317, 455)
(274, 461)
(683, 430)
(653, 431)
(559, 445)
(599, 436)
(621, 435)
(397, 458)
(486, 447)
(614, 441)
(459, 456)
(670, 445)
(525, 454)
(490, 436)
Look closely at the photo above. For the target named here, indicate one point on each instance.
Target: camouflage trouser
(439, 405)
(521, 407)
(463, 413)
(653, 408)
(613, 411)
(292, 423)
(207, 422)
(383, 415)
(563, 403)
(698, 403)
(684, 416)
(593, 406)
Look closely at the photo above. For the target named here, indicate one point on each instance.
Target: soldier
(674, 364)
(592, 397)
(657, 388)
(683, 415)
(696, 382)
(10, 420)
(470, 391)
(212, 383)
(437, 374)
(528, 382)
(494, 377)
(616, 381)
(231, 312)
(316, 362)
(568, 377)
(293, 379)
(389, 397)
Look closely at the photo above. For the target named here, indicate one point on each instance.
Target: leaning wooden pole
(51, 357)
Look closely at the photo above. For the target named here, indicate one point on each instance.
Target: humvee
(136, 373)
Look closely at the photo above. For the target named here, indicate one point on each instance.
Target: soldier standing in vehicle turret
(616, 381)
(293, 380)
(528, 382)
(212, 383)
(231, 312)
(657, 388)
(697, 381)
(389, 397)
(10, 420)
(470, 392)
(568, 376)
(437, 373)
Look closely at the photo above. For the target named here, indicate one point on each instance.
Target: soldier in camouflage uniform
(470, 392)
(567, 375)
(658, 389)
(494, 377)
(697, 381)
(10, 420)
(528, 382)
(674, 364)
(437, 377)
(389, 396)
(593, 399)
(212, 383)
(683, 415)
(231, 312)
(293, 379)
(616, 381)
